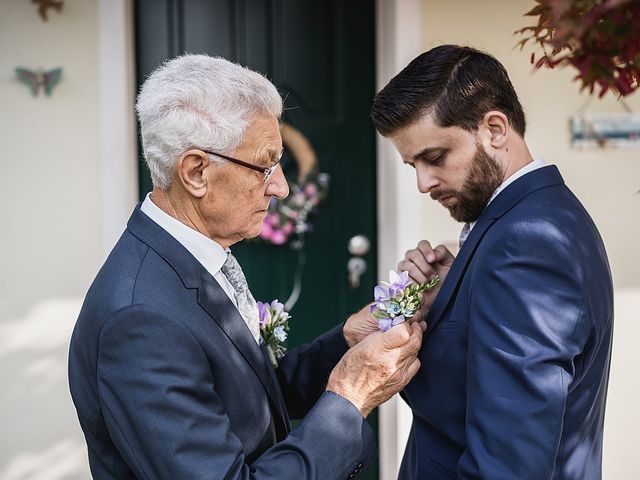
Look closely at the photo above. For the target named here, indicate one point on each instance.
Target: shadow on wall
(623, 416)
(41, 438)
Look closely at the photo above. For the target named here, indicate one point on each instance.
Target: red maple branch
(600, 38)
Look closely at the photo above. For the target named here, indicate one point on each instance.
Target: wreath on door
(288, 220)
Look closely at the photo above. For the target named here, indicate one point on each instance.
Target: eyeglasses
(267, 171)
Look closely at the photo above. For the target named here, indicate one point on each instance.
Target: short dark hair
(458, 84)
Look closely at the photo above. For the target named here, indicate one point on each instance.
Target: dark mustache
(436, 195)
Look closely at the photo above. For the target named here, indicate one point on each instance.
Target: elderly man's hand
(423, 263)
(378, 367)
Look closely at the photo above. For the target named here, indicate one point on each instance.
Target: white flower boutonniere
(274, 325)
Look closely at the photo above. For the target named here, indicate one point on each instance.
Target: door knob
(356, 266)
(359, 245)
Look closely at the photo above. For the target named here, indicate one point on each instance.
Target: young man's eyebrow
(428, 152)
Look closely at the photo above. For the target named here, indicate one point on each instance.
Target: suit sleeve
(524, 334)
(159, 402)
(303, 373)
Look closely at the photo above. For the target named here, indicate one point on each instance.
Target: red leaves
(600, 38)
(535, 11)
(542, 61)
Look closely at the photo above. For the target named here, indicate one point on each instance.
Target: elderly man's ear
(191, 172)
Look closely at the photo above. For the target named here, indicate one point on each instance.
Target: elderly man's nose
(277, 185)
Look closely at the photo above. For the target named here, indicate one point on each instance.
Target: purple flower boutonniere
(399, 299)
(274, 325)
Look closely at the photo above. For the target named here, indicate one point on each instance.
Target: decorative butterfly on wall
(39, 78)
(44, 5)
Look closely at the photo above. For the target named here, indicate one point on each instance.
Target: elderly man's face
(237, 198)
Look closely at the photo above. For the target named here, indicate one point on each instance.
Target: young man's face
(451, 166)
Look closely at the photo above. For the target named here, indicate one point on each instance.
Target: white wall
(606, 181)
(52, 179)
(67, 179)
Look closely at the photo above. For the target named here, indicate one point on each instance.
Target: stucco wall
(51, 240)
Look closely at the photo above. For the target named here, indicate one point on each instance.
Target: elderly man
(166, 366)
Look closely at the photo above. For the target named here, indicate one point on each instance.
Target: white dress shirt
(210, 254)
(529, 167)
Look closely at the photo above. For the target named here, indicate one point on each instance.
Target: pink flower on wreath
(272, 219)
(278, 237)
(311, 190)
(267, 231)
(288, 228)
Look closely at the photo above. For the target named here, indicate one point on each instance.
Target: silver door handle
(356, 266)
(358, 246)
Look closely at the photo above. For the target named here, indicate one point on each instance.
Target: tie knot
(464, 233)
(232, 270)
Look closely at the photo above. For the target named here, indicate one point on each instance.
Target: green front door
(320, 55)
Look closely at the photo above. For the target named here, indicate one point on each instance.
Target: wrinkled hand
(423, 263)
(378, 367)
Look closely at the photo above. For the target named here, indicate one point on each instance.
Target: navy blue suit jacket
(169, 383)
(515, 361)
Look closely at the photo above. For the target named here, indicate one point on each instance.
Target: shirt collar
(529, 167)
(208, 252)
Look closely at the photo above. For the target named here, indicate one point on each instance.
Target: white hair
(198, 101)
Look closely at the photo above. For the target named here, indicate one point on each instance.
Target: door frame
(398, 40)
(118, 146)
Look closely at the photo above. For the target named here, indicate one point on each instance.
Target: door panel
(320, 55)
(202, 28)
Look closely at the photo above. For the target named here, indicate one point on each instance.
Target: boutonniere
(274, 325)
(399, 299)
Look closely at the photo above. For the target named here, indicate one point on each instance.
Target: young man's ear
(493, 129)
(190, 172)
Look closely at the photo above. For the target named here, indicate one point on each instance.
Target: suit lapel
(456, 273)
(213, 300)
(505, 201)
(282, 428)
(217, 304)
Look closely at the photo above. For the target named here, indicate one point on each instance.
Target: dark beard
(484, 177)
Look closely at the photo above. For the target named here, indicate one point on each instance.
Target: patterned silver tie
(246, 303)
(464, 234)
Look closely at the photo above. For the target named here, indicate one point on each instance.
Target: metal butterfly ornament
(45, 5)
(39, 78)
